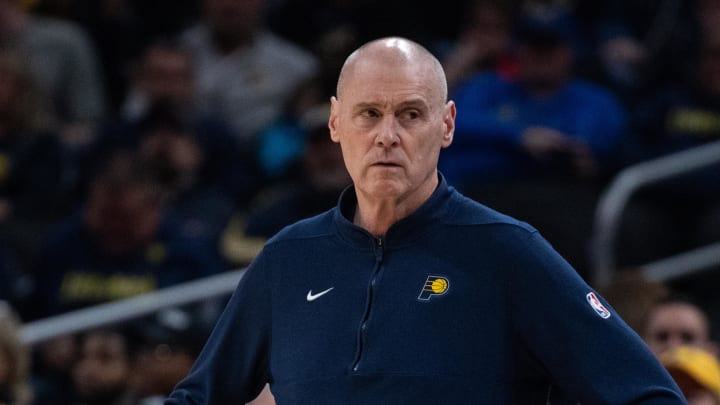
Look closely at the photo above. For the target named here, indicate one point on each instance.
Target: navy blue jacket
(456, 304)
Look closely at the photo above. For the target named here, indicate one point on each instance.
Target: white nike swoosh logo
(313, 297)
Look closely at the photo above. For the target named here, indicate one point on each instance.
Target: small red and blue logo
(599, 308)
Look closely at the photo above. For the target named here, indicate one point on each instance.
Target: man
(245, 73)
(101, 373)
(677, 321)
(412, 293)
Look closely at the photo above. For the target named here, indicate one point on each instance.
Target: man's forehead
(387, 85)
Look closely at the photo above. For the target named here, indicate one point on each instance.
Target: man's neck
(378, 218)
(378, 215)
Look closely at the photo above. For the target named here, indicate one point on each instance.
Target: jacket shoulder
(312, 227)
(469, 212)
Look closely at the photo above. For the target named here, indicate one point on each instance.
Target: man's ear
(449, 123)
(332, 121)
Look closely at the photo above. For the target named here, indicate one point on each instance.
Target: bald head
(396, 53)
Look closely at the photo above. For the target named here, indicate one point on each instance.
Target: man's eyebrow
(412, 103)
(365, 105)
(415, 103)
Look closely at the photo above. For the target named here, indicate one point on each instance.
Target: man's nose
(387, 134)
(674, 341)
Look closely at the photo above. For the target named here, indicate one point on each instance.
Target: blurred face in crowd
(489, 26)
(233, 22)
(103, 369)
(156, 370)
(391, 120)
(174, 156)
(545, 67)
(670, 325)
(123, 212)
(166, 75)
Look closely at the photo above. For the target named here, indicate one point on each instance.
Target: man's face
(167, 76)
(122, 218)
(391, 123)
(545, 68)
(675, 324)
(103, 367)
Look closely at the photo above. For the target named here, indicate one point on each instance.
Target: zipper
(379, 250)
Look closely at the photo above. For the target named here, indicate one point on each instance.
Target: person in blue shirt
(408, 292)
(543, 123)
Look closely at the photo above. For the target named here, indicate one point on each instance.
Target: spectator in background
(103, 369)
(62, 61)
(677, 321)
(166, 345)
(245, 73)
(545, 123)
(164, 74)
(197, 163)
(697, 373)
(193, 153)
(33, 191)
(15, 388)
(121, 243)
(164, 90)
(484, 44)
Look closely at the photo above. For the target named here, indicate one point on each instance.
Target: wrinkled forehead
(389, 86)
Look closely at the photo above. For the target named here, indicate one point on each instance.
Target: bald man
(409, 293)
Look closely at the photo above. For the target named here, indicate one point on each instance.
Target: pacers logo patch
(434, 285)
(599, 308)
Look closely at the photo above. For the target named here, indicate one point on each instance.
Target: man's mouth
(386, 164)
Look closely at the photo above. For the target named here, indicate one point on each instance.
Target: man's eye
(688, 337)
(370, 114)
(411, 115)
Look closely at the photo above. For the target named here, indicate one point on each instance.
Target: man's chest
(404, 312)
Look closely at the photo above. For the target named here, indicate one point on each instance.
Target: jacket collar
(408, 229)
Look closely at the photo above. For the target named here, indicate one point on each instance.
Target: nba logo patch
(599, 308)
(434, 286)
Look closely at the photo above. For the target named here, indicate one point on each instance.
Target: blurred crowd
(148, 143)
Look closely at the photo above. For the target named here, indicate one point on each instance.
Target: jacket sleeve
(585, 347)
(233, 367)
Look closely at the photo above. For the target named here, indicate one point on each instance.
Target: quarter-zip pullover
(455, 304)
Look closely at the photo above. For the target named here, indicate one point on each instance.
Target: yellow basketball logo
(434, 285)
(439, 285)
